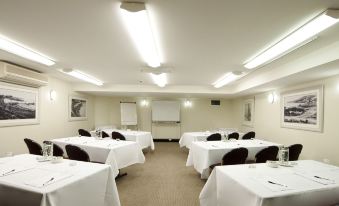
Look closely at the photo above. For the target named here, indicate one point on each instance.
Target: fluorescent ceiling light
(137, 21)
(83, 76)
(296, 38)
(20, 50)
(159, 79)
(227, 78)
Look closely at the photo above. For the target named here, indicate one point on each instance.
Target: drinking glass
(47, 149)
(284, 155)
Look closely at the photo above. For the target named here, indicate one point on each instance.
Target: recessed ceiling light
(80, 75)
(137, 21)
(23, 51)
(227, 78)
(296, 39)
(159, 79)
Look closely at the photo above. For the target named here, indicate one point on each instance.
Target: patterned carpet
(163, 180)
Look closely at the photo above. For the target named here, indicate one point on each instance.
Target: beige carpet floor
(163, 180)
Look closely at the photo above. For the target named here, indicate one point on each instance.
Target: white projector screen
(165, 111)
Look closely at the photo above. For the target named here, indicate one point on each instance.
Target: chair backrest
(33, 147)
(84, 133)
(294, 151)
(235, 156)
(234, 135)
(249, 135)
(57, 150)
(118, 135)
(269, 153)
(104, 134)
(76, 153)
(214, 137)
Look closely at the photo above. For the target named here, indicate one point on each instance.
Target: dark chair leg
(120, 175)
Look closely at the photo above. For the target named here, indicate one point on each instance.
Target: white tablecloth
(239, 185)
(188, 137)
(118, 154)
(204, 154)
(144, 139)
(84, 184)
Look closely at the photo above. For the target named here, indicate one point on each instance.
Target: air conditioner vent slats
(18, 75)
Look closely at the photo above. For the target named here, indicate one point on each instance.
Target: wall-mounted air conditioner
(18, 75)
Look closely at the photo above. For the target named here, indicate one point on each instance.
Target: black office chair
(57, 150)
(104, 134)
(269, 153)
(234, 135)
(76, 153)
(84, 133)
(234, 157)
(249, 135)
(118, 135)
(294, 151)
(214, 137)
(33, 147)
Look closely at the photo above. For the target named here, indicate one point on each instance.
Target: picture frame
(19, 105)
(248, 112)
(77, 108)
(303, 109)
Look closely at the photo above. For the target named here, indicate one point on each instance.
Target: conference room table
(143, 138)
(203, 154)
(188, 137)
(26, 181)
(306, 183)
(118, 154)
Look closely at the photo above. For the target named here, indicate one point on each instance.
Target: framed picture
(77, 108)
(248, 112)
(18, 105)
(303, 109)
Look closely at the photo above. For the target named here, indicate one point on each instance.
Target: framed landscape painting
(77, 108)
(248, 112)
(18, 106)
(303, 109)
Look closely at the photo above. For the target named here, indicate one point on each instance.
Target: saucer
(273, 164)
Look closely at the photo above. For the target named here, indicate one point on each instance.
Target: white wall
(200, 117)
(53, 120)
(317, 145)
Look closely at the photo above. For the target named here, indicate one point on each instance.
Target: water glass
(284, 155)
(47, 150)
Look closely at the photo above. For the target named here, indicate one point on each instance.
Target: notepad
(47, 179)
(319, 178)
(272, 184)
(9, 170)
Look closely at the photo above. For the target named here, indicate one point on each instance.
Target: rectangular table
(204, 154)
(25, 181)
(240, 185)
(118, 154)
(144, 139)
(188, 137)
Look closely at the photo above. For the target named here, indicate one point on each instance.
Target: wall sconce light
(272, 97)
(188, 103)
(52, 95)
(144, 103)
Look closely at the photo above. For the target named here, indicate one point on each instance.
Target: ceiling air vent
(215, 102)
(18, 75)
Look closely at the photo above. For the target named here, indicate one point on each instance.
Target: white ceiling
(200, 39)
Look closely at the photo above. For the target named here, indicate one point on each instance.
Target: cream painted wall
(53, 120)
(201, 116)
(318, 146)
